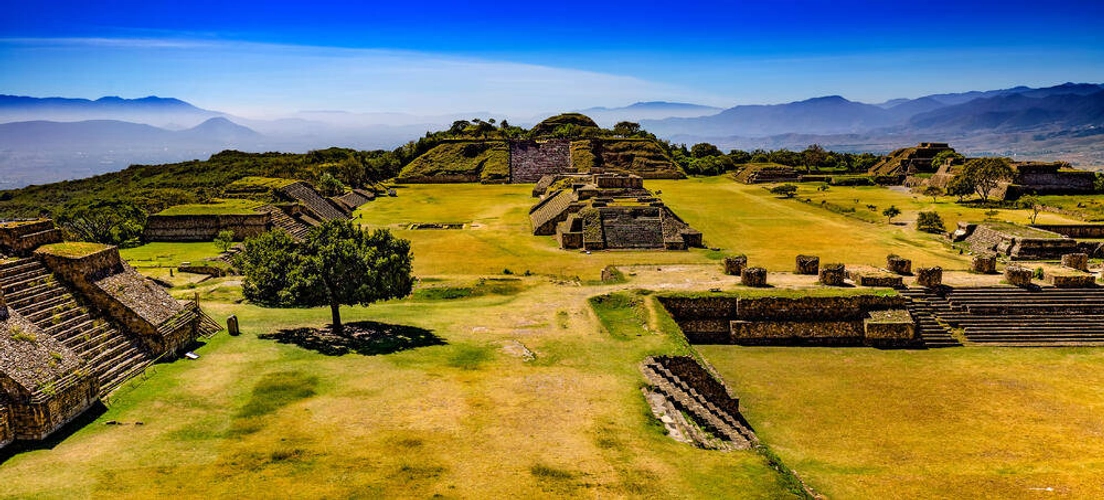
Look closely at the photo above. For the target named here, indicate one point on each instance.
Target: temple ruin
(608, 211)
(295, 207)
(76, 322)
(1038, 178)
(909, 161)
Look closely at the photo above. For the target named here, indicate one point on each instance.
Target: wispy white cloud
(257, 79)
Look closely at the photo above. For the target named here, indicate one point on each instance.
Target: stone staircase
(1017, 317)
(31, 290)
(718, 421)
(923, 308)
(296, 229)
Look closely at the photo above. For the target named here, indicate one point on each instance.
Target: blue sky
(271, 58)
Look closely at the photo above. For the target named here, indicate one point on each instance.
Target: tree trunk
(335, 311)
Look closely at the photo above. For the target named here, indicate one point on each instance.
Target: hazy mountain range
(50, 139)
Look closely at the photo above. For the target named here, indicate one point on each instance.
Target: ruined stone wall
(797, 332)
(203, 227)
(530, 160)
(6, 434)
(22, 237)
(37, 420)
(1040, 249)
(635, 227)
(321, 208)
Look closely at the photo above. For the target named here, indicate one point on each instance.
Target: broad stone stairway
(923, 307)
(1017, 317)
(32, 291)
(705, 413)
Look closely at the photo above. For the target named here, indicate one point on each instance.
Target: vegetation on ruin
(72, 249)
(218, 206)
(487, 162)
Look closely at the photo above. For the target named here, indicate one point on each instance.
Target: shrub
(784, 190)
(929, 222)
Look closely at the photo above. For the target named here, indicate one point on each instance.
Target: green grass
(1087, 207)
(73, 249)
(228, 206)
(962, 423)
(487, 161)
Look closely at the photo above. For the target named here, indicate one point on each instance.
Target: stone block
(1018, 275)
(1070, 280)
(1078, 261)
(898, 264)
(808, 264)
(984, 264)
(929, 277)
(754, 276)
(735, 265)
(232, 325)
(833, 274)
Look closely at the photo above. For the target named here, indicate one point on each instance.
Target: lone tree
(891, 212)
(934, 191)
(337, 264)
(984, 174)
(929, 222)
(1033, 204)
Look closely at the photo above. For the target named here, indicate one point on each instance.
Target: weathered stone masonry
(531, 160)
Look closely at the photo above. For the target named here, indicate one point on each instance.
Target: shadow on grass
(367, 338)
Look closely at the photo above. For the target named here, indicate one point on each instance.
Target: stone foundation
(1063, 280)
(1078, 261)
(984, 264)
(203, 227)
(754, 276)
(20, 238)
(734, 266)
(1019, 276)
(807, 264)
(833, 274)
(899, 265)
(929, 277)
(530, 160)
(867, 277)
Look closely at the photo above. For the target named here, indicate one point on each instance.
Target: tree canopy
(985, 174)
(336, 264)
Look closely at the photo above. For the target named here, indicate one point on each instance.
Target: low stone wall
(887, 328)
(1070, 280)
(203, 227)
(1019, 276)
(1094, 231)
(735, 265)
(1078, 261)
(929, 277)
(796, 332)
(875, 278)
(807, 264)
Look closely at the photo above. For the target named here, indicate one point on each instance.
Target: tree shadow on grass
(367, 338)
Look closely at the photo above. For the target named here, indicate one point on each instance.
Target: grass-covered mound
(462, 161)
(639, 156)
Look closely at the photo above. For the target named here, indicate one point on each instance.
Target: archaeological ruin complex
(607, 211)
(76, 322)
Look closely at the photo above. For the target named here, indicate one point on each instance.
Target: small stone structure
(20, 237)
(753, 276)
(866, 276)
(531, 160)
(984, 264)
(1069, 279)
(912, 160)
(232, 325)
(759, 174)
(1018, 275)
(610, 211)
(1078, 261)
(1014, 242)
(899, 265)
(807, 264)
(842, 320)
(203, 227)
(929, 277)
(833, 274)
(735, 264)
